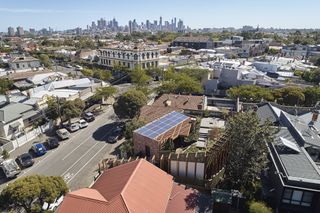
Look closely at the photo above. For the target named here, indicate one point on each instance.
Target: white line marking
(86, 163)
(85, 153)
(84, 142)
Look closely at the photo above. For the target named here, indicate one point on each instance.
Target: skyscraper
(20, 31)
(130, 27)
(10, 31)
(160, 23)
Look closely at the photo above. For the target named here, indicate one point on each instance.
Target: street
(76, 159)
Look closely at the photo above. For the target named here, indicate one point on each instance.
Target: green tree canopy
(250, 93)
(312, 76)
(129, 104)
(45, 60)
(139, 77)
(105, 92)
(259, 207)
(248, 151)
(31, 192)
(52, 112)
(5, 85)
(73, 109)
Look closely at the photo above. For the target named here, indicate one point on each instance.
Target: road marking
(86, 163)
(67, 176)
(84, 142)
(84, 155)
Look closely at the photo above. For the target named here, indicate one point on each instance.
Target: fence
(11, 145)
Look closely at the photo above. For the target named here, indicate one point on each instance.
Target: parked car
(10, 168)
(39, 149)
(73, 127)
(79, 68)
(88, 116)
(53, 206)
(83, 123)
(25, 160)
(52, 143)
(113, 138)
(69, 66)
(63, 133)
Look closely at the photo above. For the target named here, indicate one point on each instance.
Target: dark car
(39, 149)
(25, 160)
(112, 138)
(52, 143)
(88, 116)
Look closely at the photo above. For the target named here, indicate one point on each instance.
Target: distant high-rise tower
(10, 31)
(130, 27)
(20, 31)
(160, 23)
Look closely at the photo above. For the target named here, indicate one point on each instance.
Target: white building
(24, 64)
(129, 56)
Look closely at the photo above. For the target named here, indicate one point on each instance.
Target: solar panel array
(162, 125)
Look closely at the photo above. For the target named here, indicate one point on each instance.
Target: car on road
(79, 68)
(25, 160)
(83, 123)
(73, 127)
(52, 143)
(113, 138)
(69, 66)
(53, 206)
(88, 116)
(63, 133)
(10, 168)
(38, 149)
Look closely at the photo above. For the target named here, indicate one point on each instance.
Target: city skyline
(63, 15)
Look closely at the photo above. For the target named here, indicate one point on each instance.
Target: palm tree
(104, 93)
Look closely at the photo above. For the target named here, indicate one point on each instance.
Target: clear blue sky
(64, 14)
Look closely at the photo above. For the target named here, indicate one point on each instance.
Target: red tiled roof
(185, 102)
(182, 199)
(138, 186)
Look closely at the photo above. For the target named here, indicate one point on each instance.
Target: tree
(259, 207)
(102, 74)
(52, 112)
(45, 60)
(139, 77)
(132, 125)
(248, 151)
(129, 104)
(87, 72)
(312, 96)
(31, 192)
(104, 93)
(250, 93)
(292, 96)
(5, 85)
(312, 76)
(73, 109)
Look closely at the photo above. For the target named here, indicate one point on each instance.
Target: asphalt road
(76, 159)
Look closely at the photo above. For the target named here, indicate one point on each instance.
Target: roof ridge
(88, 198)
(130, 178)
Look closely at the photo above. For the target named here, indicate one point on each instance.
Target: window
(297, 197)
(135, 57)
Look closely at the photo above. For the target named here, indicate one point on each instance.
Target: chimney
(168, 102)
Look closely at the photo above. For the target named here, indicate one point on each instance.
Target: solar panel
(162, 125)
(289, 144)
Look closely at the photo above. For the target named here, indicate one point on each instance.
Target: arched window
(152, 55)
(148, 55)
(113, 54)
(108, 54)
(119, 55)
(156, 54)
(128, 55)
(143, 55)
(135, 57)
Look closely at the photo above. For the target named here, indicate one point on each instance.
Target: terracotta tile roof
(182, 199)
(185, 102)
(138, 186)
(151, 113)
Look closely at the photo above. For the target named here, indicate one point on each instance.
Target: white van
(10, 168)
